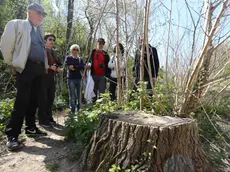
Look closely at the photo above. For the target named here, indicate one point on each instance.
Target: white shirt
(112, 66)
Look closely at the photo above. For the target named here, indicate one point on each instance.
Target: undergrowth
(80, 127)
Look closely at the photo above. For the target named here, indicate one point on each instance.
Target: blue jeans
(74, 93)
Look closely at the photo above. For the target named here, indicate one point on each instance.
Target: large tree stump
(146, 142)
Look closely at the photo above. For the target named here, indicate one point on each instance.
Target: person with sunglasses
(75, 67)
(45, 116)
(23, 49)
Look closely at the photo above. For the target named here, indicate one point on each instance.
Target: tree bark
(126, 54)
(148, 143)
(119, 91)
(145, 24)
(91, 22)
(69, 22)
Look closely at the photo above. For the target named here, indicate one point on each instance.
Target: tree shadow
(57, 129)
(57, 152)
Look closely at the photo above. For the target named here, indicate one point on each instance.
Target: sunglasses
(41, 13)
(50, 39)
(75, 49)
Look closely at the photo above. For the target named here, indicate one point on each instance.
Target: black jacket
(106, 56)
(154, 62)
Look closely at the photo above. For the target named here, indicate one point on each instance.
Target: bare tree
(69, 22)
(119, 91)
(201, 73)
(91, 21)
(144, 44)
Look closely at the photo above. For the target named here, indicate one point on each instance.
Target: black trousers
(45, 109)
(29, 86)
(99, 85)
(112, 88)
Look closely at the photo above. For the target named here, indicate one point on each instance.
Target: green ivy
(6, 107)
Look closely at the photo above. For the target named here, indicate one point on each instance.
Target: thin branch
(215, 47)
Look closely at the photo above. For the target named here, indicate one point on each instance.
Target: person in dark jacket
(45, 112)
(154, 63)
(99, 60)
(75, 67)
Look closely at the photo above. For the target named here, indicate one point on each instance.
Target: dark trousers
(45, 109)
(29, 87)
(112, 88)
(99, 84)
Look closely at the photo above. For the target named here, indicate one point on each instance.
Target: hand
(13, 70)
(54, 68)
(71, 67)
(58, 69)
(87, 67)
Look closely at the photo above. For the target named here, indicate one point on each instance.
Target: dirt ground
(41, 154)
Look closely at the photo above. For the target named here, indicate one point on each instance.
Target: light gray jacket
(15, 43)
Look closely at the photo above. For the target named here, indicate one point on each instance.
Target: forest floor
(41, 154)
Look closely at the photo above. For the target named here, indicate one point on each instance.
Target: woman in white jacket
(112, 66)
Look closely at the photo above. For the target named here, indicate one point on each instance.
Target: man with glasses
(23, 49)
(99, 60)
(45, 112)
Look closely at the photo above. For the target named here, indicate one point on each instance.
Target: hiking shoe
(13, 144)
(35, 132)
(45, 124)
(52, 122)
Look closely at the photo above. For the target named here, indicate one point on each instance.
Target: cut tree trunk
(146, 143)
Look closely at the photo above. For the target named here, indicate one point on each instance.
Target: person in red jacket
(99, 60)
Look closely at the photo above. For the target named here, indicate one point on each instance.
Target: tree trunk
(91, 22)
(143, 49)
(119, 91)
(145, 142)
(69, 22)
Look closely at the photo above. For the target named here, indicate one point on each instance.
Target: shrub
(6, 107)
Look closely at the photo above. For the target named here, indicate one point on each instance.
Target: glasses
(41, 13)
(50, 39)
(75, 49)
